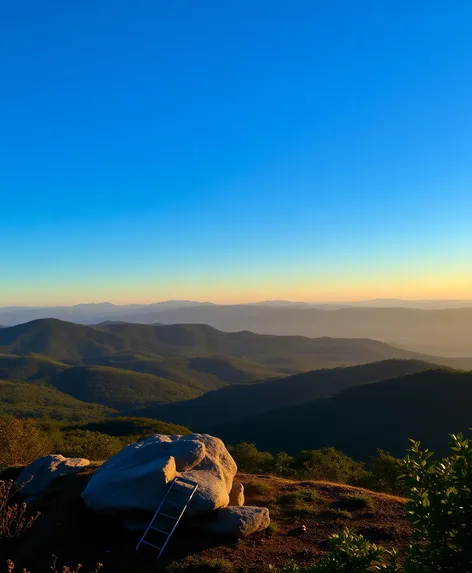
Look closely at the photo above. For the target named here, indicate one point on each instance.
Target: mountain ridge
(426, 406)
(72, 343)
(235, 403)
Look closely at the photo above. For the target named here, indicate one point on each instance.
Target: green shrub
(88, 444)
(21, 442)
(250, 459)
(259, 488)
(325, 464)
(350, 553)
(440, 508)
(328, 464)
(300, 502)
(283, 464)
(384, 474)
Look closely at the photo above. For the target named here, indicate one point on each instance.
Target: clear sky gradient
(235, 151)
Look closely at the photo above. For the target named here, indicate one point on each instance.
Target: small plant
(14, 519)
(259, 488)
(203, 564)
(440, 509)
(54, 567)
(218, 565)
(274, 528)
(350, 553)
(300, 502)
(66, 569)
(297, 496)
(336, 513)
(352, 502)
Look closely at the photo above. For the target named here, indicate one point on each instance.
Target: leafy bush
(88, 444)
(283, 464)
(350, 553)
(440, 508)
(21, 442)
(250, 459)
(384, 474)
(134, 428)
(328, 464)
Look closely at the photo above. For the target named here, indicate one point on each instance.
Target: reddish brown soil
(65, 528)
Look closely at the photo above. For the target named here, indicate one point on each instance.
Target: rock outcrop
(236, 495)
(236, 521)
(42, 472)
(137, 478)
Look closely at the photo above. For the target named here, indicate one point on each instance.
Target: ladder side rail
(178, 520)
(155, 514)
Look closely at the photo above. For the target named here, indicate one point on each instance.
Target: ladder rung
(173, 503)
(168, 516)
(176, 518)
(151, 544)
(159, 530)
(185, 480)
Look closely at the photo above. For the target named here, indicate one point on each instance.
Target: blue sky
(235, 151)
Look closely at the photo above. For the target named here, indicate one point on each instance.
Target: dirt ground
(65, 528)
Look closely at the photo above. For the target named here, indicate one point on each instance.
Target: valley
(354, 394)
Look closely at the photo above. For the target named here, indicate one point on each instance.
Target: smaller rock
(237, 521)
(236, 495)
(42, 472)
(301, 530)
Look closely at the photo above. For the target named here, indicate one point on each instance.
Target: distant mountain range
(439, 331)
(75, 343)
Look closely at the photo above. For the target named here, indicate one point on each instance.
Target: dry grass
(65, 520)
(353, 502)
(14, 517)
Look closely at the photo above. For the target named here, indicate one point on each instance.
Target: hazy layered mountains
(281, 392)
(125, 367)
(71, 343)
(432, 327)
(232, 404)
(426, 406)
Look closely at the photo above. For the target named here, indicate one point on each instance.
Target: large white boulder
(42, 472)
(137, 478)
(236, 521)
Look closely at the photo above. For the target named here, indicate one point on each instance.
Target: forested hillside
(427, 405)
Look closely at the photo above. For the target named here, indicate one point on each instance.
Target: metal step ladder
(169, 517)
